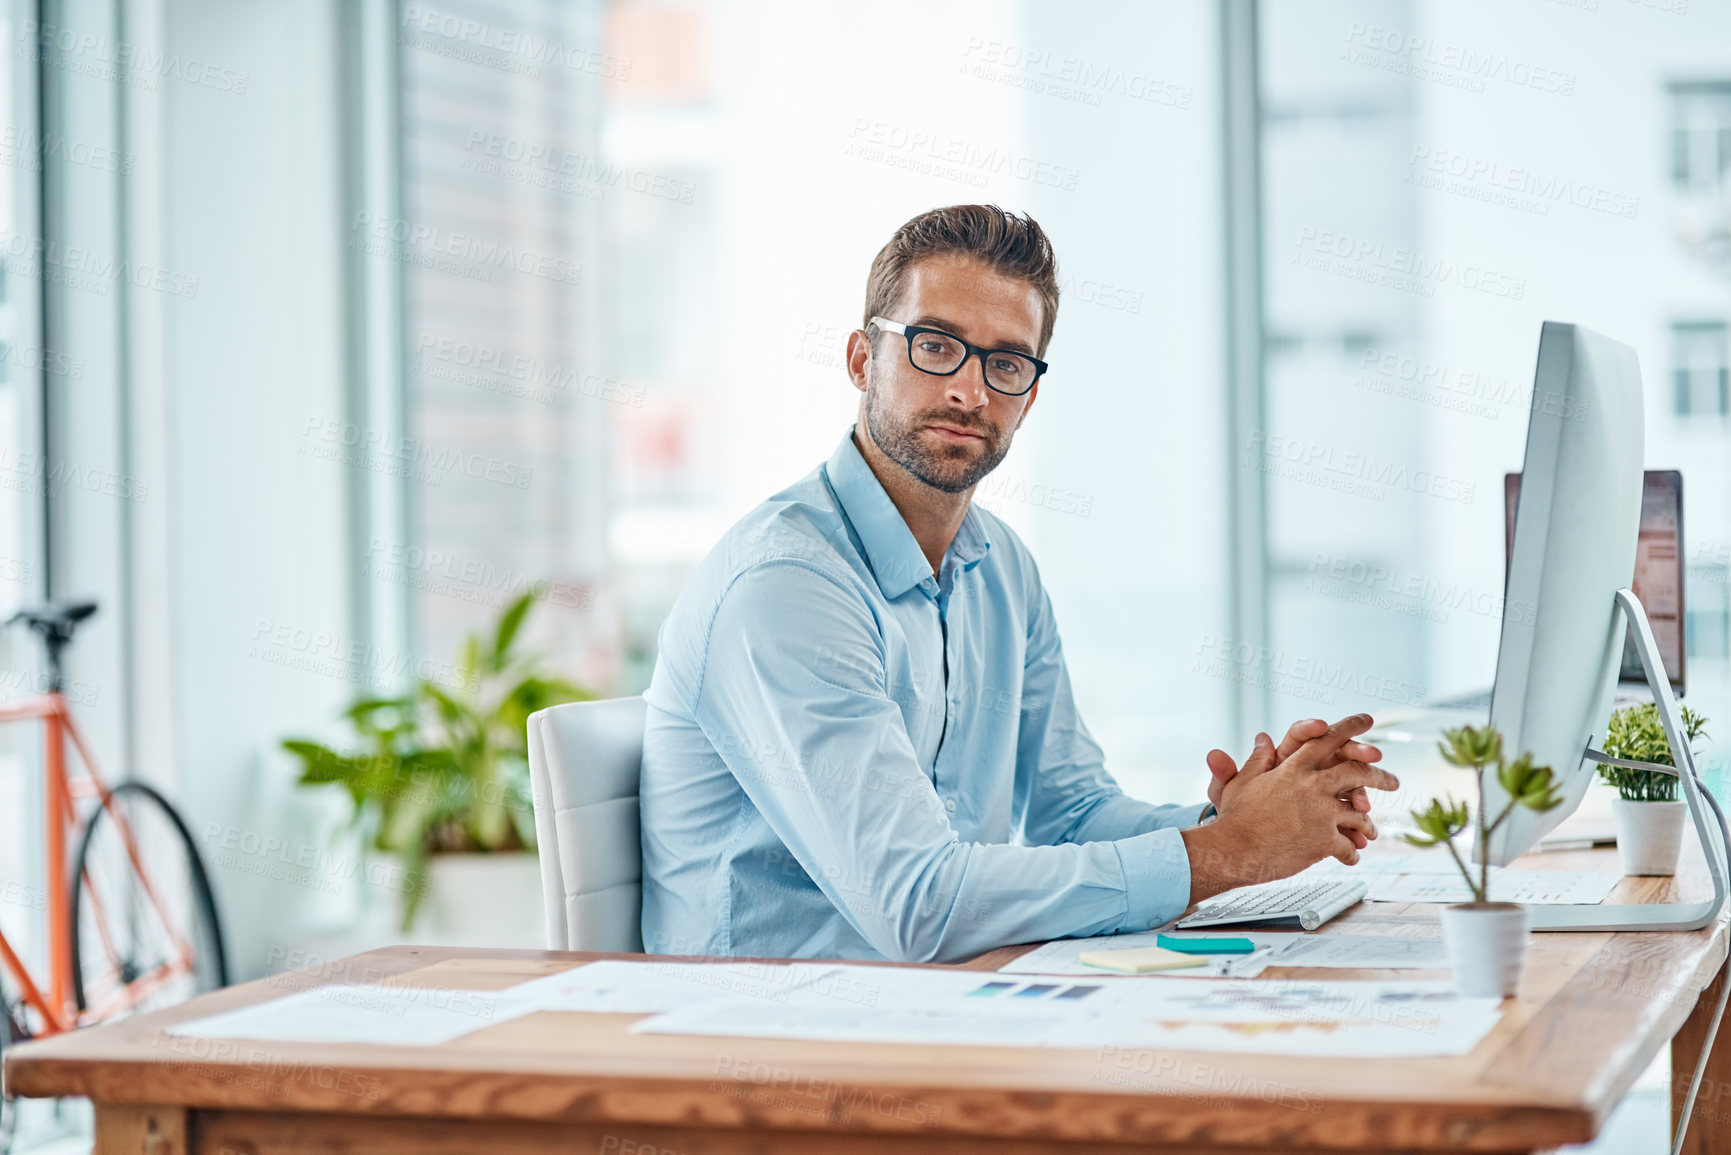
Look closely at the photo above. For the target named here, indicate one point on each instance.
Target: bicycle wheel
(141, 941)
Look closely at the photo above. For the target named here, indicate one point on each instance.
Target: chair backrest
(584, 763)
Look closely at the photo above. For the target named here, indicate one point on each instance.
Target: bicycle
(133, 925)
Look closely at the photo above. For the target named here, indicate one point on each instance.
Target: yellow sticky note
(1142, 960)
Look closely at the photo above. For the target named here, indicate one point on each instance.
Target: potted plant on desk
(1486, 941)
(1649, 814)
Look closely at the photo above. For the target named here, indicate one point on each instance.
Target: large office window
(1417, 223)
(1429, 201)
(762, 176)
(27, 479)
(660, 131)
(1342, 538)
(19, 484)
(22, 477)
(607, 427)
(508, 407)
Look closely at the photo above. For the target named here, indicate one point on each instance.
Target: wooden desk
(1593, 1010)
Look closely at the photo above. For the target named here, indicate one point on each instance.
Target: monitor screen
(1658, 567)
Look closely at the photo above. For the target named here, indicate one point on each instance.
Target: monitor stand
(1709, 821)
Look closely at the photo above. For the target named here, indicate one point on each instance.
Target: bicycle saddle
(58, 619)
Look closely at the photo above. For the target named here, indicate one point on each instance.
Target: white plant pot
(487, 900)
(1487, 946)
(1649, 835)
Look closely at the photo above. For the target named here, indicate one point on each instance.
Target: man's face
(948, 432)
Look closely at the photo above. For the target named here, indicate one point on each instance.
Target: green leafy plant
(1635, 733)
(1526, 785)
(445, 769)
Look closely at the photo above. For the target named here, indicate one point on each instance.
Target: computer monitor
(1566, 609)
(1658, 579)
(1576, 526)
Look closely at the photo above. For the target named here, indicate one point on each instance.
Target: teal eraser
(1206, 945)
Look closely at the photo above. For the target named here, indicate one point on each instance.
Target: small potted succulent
(1486, 941)
(1649, 814)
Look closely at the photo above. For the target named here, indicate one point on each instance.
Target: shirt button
(950, 805)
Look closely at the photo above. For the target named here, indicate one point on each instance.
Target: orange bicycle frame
(57, 1006)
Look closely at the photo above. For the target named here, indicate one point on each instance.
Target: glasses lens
(935, 352)
(1009, 372)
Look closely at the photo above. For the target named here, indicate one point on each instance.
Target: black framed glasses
(943, 354)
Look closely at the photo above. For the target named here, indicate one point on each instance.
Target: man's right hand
(1282, 818)
(1222, 769)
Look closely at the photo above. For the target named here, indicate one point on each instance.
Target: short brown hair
(1014, 246)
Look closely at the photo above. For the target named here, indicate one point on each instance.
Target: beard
(953, 467)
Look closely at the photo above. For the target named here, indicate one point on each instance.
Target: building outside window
(1700, 372)
(1700, 135)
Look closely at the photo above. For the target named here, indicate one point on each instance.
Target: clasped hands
(1287, 807)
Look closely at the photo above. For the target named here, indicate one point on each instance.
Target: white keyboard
(1305, 905)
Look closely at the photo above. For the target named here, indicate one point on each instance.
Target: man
(861, 738)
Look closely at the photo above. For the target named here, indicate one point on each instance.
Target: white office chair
(584, 760)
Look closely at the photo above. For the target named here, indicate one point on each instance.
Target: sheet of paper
(1372, 952)
(1154, 1012)
(390, 1016)
(1273, 949)
(1377, 863)
(1301, 1018)
(620, 987)
(866, 1002)
(909, 1005)
(1060, 957)
(859, 1025)
(397, 1015)
(881, 989)
(1577, 833)
(1544, 887)
(1281, 1015)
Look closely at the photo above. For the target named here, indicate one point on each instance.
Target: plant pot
(488, 900)
(1649, 835)
(1487, 945)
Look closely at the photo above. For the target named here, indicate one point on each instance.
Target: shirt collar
(896, 559)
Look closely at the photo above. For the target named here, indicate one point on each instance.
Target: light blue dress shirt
(847, 756)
